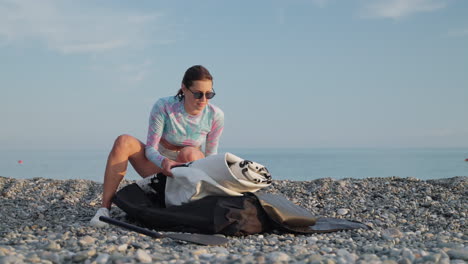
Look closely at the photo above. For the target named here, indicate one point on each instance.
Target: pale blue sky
(297, 73)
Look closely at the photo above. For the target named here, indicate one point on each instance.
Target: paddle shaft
(135, 228)
(207, 240)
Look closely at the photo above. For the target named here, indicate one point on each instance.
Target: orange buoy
(466, 159)
(20, 162)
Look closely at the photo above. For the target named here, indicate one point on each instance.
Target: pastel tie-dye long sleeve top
(169, 120)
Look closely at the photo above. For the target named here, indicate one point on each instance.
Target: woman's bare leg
(126, 148)
(188, 154)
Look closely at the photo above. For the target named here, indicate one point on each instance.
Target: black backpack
(251, 213)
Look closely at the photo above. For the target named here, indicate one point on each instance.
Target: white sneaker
(95, 220)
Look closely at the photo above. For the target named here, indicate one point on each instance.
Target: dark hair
(194, 73)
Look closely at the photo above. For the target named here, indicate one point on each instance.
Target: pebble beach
(413, 221)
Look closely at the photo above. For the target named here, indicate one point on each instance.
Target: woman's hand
(167, 164)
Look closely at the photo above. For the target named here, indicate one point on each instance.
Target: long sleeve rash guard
(169, 120)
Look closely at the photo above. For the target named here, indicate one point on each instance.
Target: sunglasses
(199, 95)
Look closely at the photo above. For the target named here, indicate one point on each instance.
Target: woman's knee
(125, 143)
(188, 154)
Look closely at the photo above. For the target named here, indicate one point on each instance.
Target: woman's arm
(212, 138)
(155, 131)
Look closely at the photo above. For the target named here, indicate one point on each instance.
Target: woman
(178, 125)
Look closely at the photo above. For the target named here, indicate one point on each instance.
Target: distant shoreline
(277, 180)
(292, 164)
(331, 178)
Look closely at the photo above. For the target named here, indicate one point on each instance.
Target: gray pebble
(52, 245)
(458, 254)
(312, 240)
(10, 260)
(122, 247)
(80, 256)
(277, 257)
(392, 233)
(87, 241)
(314, 258)
(52, 257)
(143, 256)
(457, 261)
(342, 211)
(407, 254)
(327, 249)
(405, 261)
(102, 258)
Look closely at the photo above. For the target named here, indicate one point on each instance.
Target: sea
(283, 164)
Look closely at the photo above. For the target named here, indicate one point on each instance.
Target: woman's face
(192, 105)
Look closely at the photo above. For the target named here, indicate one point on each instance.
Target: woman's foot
(95, 220)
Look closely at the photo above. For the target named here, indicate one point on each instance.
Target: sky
(287, 73)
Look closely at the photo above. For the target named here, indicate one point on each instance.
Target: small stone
(341, 260)
(392, 233)
(91, 252)
(346, 256)
(457, 261)
(124, 239)
(394, 252)
(429, 235)
(220, 251)
(450, 245)
(122, 247)
(109, 248)
(53, 246)
(405, 261)
(199, 251)
(342, 183)
(206, 256)
(444, 258)
(342, 211)
(4, 251)
(458, 254)
(10, 260)
(80, 257)
(314, 258)
(102, 258)
(370, 257)
(312, 240)
(86, 241)
(33, 259)
(143, 257)
(259, 259)
(277, 257)
(66, 255)
(52, 257)
(431, 258)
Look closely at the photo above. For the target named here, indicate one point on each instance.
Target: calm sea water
(284, 164)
